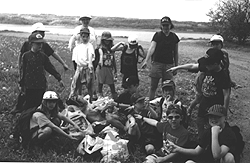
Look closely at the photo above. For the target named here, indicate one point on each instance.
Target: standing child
(84, 71)
(129, 57)
(106, 64)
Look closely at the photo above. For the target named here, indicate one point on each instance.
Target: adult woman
(163, 52)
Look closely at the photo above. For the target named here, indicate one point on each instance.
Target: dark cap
(106, 35)
(168, 83)
(132, 80)
(136, 98)
(36, 37)
(167, 20)
(212, 56)
(217, 110)
(84, 30)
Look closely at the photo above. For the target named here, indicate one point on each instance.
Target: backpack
(240, 143)
(22, 130)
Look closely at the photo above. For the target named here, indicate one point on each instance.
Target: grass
(9, 51)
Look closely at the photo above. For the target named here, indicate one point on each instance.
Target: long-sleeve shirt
(33, 69)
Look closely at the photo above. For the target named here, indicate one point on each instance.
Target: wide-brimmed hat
(36, 37)
(132, 40)
(212, 56)
(217, 110)
(38, 27)
(217, 38)
(106, 35)
(85, 16)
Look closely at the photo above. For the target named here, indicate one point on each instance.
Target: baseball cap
(84, 30)
(136, 98)
(38, 27)
(85, 16)
(132, 80)
(217, 110)
(167, 20)
(106, 35)
(168, 83)
(216, 38)
(212, 56)
(132, 40)
(36, 37)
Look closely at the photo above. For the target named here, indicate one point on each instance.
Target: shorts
(158, 70)
(105, 75)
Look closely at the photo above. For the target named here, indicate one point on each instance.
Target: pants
(33, 97)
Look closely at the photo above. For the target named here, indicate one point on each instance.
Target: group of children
(157, 125)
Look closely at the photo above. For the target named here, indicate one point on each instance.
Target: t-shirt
(178, 136)
(46, 48)
(82, 53)
(165, 46)
(33, 70)
(226, 137)
(212, 90)
(124, 98)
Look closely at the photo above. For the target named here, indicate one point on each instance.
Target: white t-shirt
(82, 53)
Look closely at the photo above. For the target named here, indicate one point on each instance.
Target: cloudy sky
(180, 10)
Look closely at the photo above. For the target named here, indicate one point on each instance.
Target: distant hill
(99, 21)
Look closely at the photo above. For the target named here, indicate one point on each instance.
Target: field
(189, 52)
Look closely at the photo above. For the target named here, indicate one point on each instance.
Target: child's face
(168, 92)
(85, 22)
(174, 120)
(85, 38)
(107, 42)
(165, 27)
(139, 106)
(51, 104)
(36, 46)
(216, 120)
(216, 45)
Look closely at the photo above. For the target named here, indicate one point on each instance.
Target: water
(143, 35)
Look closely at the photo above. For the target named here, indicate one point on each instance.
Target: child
(33, 66)
(217, 144)
(129, 57)
(215, 86)
(84, 72)
(172, 131)
(42, 125)
(106, 64)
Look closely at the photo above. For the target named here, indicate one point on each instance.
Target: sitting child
(217, 144)
(172, 131)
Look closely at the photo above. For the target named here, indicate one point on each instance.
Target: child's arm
(149, 54)
(217, 150)
(226, 93)
(152, 111)
(166, 158)
(118, 47)
(150, 121)
(101, 57)
(62, 117)
(178, 149)
(114, 64)
(71, 42)
(189, 66)
(91, 53)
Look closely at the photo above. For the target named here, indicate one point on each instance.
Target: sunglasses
(174, 117)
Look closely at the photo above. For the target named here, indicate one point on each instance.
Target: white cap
(38, 27)
(50, 95)
(216, 38)
(86, 16)
(132, 40)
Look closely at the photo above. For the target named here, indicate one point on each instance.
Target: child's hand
(174, 147)
(90, 68)
(138, 116)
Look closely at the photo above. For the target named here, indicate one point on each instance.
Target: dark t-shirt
(226, 137)
(165, 46)
(124, 98)
(46, 48)
(212, 90)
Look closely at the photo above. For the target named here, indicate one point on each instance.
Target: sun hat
(36, 37)
(106, 35)
(84, 30)
(85, 16)
(38, 27)
(136, 98)
(132, 40)
(167, 20)
(212, 56)
(168, 83)
(216, 38)
(50, 95)
(217, 110)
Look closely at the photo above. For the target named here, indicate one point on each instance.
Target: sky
(179, 10)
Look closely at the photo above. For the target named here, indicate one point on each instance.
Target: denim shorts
(158, 70)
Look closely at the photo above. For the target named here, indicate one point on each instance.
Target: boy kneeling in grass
(217, 144)
(172, 131)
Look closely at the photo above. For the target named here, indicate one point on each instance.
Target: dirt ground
(239, 69)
